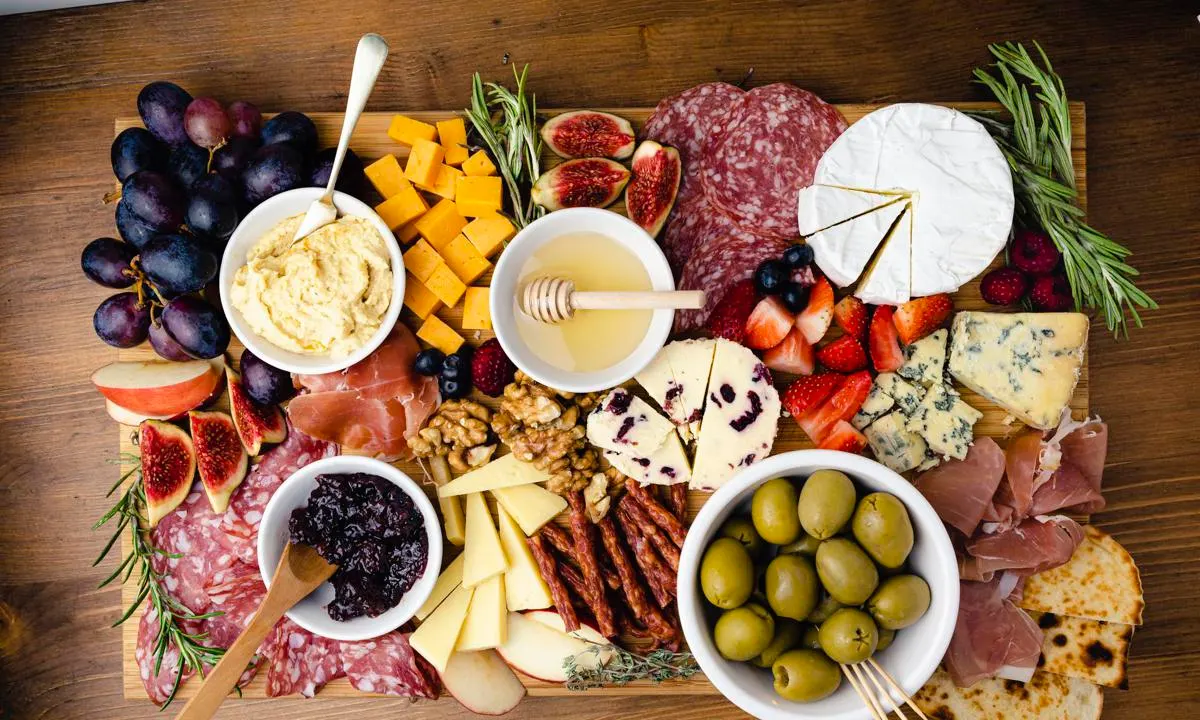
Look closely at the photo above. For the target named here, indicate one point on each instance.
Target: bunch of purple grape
(187, 180)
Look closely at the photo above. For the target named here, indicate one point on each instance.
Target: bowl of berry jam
(373, 522)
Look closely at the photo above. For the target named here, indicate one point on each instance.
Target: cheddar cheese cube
(405, 130)
(477, 196)
(421, 260)
(452, 134)
(445, 285)
(440, 335)
(488, 233)
(446, 181)
(464, 259)
(418, 298)
(403, 207)
(479, 164)
(424, 159)
(477, 313)
(441, 224)
(387, 176)
(408, 232)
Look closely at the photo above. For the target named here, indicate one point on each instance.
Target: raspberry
(1051, 293)
(728, 318)
(1004, 286)
(491, 369)
(1034, 252)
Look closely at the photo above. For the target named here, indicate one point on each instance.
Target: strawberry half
(844, 355)
(845, 401)
(850, 314)
(728, 318)
(816, 317)
(807, 393)
(793, 355)
(844, 437)
(920, 316)
(886, 354)
(768, 324)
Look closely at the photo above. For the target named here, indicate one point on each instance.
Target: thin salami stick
(677, 498)
(549, 570)
(585, 555)
(659, 514)
(666, 548)
(635, 597)
(557, 537)
(655, 573)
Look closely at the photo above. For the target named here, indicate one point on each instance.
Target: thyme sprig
(625, 666)
(506, 122)
(1036, 141)
(129, 515)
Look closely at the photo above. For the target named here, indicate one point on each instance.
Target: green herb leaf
(506, 122)
(588, 670)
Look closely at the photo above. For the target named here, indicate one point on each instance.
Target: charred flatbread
(1099, 582)
(1091, 650)
(1045, 697)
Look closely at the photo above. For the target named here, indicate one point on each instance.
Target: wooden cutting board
(371, 142)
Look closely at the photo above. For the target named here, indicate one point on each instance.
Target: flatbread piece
(1091, 650)
(1100, 582)
(1045, 697)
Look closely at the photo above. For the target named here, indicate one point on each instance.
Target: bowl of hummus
(319, 305)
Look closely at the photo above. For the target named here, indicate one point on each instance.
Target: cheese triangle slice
(677, 379)
(888, 280)
(823, 206)
(842, 251)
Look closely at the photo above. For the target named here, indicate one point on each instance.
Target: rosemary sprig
(1036, 141)
(625, 666)
(129, 514)
(506, 122)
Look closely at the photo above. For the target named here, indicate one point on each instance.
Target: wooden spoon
(552, 300)
(301, 570)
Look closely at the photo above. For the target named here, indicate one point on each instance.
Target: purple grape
(132, 228)
(213, 209)
(350, 180)
(121, 321)
(106, 261)
(161, 105)
(291, 127)
(198, 328)
(232, 158)
(206, 122)
(178, 264)
(274, 169)
(155, 198)
(265, 384)
(136, 149)
(189, 163)
(165, 345)
(245, 118)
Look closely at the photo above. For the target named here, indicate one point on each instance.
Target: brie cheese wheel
(842, 251)
(823, 206)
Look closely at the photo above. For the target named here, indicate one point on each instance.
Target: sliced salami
(387, 665)
(694, 224)
(193, 550)
(236, 593)
(716, 265)
(298, 661)
(687, 119)
(768, 150)
(160, 683)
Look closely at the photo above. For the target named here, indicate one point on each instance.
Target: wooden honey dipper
(552, 300)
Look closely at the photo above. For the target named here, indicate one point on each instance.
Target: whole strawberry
(1034, 252)
(1004, 286)
(491, 369)
(728, 318)
(1051, 293)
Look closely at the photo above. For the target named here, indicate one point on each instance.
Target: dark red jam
(373, 532)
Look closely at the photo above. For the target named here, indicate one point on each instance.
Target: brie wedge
(888, 281)
(842, 251)
(823, 206)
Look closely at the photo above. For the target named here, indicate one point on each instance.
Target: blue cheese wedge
(894, 444)
(907, 396)
(1027, 363)
(946, 422)
(623, 422)
(676, 379)
(877, 404)
(925, 359)
(741, 416)
(666, 466)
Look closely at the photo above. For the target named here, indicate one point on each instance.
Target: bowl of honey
(598, 250)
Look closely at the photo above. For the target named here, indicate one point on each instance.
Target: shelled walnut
(459, 432)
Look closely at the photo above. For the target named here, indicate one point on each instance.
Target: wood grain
(1133, 63)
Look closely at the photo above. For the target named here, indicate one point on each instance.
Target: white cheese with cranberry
(925, 359)
(666, 466)
(625, 423)
(946, 422)
(677, 379)
(894, 444)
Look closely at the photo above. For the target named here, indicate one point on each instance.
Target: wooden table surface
(65, 75)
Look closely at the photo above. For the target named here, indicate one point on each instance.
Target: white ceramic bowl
(258, 223)
(506, 280)
(916, 651)
(310, 613)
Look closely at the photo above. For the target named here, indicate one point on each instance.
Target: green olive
(805, 676)
(806, 545)
(885, 639)
(773, 510)
(726, 573)
(899, 602)
(811, 638)
(742, 633)
(849, 636)
(824, 609)
(846, 572)
(791, 586)
(826, 503)
(741, 528)
(882, 526)
(787, 636)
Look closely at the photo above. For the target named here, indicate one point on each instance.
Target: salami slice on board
(298, 661)
(718, 264)
(387, 665)
(193, 550)
(687, 119)
(695, 224)
(159, 684)
(236, 593)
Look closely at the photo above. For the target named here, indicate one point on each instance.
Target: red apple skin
(158, 388)
(482, 682)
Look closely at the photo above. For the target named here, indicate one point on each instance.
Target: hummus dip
(326, 294)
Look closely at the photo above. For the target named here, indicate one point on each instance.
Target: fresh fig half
(168, 466)
(589, 182)
(589, 133)
(256, 424)
(220, 457)
(651, 194)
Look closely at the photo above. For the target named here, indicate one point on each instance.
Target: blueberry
(429, 362)
(452, 388)
(770, 275)
(794, 296)
(798, 256)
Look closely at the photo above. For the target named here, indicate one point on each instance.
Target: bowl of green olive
(809, 561)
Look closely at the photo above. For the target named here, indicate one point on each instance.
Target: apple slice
(537, 649)
(482, 682)
(125, 416)
(587, 633)
(158, 388)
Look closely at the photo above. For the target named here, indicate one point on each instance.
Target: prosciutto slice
(371, 408)
(961, 491)
(1034, 545)
(992, 636)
